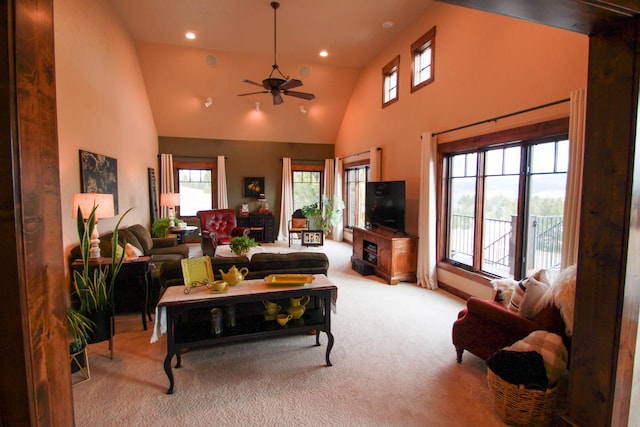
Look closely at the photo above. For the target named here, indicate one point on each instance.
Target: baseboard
(454, 291)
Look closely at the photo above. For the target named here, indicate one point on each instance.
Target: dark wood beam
(35, 385)
(584, 17)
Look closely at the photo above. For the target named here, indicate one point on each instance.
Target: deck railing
(543, 245)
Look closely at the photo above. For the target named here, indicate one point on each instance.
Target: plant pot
(78, 359)
(102, 331)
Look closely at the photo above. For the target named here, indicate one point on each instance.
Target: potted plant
(80, 329)
(160, 225)
(241, 245)
(324, 219)
(93, 284)
(314, 215)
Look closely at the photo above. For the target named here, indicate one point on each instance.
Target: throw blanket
(550, 347)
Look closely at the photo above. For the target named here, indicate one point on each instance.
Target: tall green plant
(94, 286)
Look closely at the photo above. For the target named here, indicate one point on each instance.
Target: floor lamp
(170, 200)
(103, 204)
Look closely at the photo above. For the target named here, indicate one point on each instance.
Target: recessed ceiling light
(324, 53)
(190, 35)
(387, 24)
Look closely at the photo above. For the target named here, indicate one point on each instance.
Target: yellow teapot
(234, 276)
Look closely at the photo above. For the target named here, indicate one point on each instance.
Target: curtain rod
(358, 154)
(194, 157)
(495, 119)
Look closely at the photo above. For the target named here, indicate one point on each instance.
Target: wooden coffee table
(188, 324)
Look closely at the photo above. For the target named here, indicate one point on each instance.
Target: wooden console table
(393, 256)
(188, 322)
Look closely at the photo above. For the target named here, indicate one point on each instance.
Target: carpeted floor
(393, 365)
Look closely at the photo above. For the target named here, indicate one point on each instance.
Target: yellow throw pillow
(132, 251)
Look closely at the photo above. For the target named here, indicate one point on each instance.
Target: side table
(180, 232)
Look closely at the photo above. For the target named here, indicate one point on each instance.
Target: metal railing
(498, 252)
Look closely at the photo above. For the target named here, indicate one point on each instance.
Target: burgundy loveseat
(484, 327)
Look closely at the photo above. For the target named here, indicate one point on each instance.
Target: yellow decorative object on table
(234, 276)
(196, 272)
(288, 279)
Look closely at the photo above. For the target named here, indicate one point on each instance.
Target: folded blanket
(518, 367)
(550, 347)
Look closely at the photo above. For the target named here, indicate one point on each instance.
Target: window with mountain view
(504, 206)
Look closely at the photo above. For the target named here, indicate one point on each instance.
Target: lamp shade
(170, 199)
(86, 202)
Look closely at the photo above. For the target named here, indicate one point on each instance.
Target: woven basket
(517, 405)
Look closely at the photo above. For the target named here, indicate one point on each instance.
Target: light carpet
(393, 365)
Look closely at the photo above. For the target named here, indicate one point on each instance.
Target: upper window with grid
(423, 53)
(390, 82)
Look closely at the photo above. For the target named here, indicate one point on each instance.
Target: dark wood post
(35, 384)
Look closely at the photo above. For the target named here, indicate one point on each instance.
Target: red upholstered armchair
(220, 223)
(484, 327)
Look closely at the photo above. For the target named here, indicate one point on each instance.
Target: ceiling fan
(277, 86)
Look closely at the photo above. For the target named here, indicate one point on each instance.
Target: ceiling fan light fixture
(278, 85)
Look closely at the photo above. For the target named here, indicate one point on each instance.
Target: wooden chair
(297, 224)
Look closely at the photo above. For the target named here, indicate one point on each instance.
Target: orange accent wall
(102, 107)
(485, 66)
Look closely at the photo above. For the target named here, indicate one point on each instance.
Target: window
(390, 82)
(307, 185)
(355, 178)
(504, 204)
(423, 54)
(195, 184)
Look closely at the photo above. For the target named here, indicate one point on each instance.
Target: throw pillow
(119, 251)
(518, 294)
(550, 347)
(562, 293)
(504, 289)
(535, 291)
(132, 251)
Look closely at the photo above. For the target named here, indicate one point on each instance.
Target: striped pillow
(518, 294)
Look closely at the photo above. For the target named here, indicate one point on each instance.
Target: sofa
(260, 266)
(543, 301)
(160, 249)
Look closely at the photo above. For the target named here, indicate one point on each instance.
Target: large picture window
(195, 183)
(504, 204)
(307, 185)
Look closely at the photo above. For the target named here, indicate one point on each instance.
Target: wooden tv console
(392, 255)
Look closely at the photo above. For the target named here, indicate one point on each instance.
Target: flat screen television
(385, 204)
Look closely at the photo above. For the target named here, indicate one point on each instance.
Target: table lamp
(170, 200)
(104, 209)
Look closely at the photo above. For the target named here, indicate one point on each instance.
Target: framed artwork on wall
(253, 186)
(99, 174)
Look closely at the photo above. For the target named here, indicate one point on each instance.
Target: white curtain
(338, 230)
(375, 164)
(286, 199)
(166, 180)
(573, 198)
(329, 178)
(427, 262)
(222, 184)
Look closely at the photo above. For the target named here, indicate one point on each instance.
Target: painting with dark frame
(99, 174)
(253, 186)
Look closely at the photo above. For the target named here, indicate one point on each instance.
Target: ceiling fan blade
(253, 93)
(290, 84)
(253, 83)
(277, 99)
(303, 95)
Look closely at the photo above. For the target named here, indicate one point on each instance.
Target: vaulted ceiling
(235, 41)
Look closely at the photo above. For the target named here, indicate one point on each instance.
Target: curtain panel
(223, 200)
(573, 197)
(286, 202)
(427, 261)
(166, 180)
